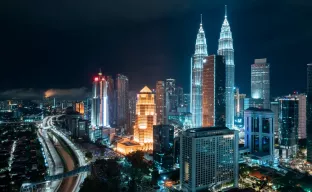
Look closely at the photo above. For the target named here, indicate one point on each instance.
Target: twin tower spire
(225, 48)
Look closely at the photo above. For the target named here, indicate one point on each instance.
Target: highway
(54, 161)
(49, 123)
(68, 184)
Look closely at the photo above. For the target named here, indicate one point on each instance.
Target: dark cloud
(75, 93)
(20, 94)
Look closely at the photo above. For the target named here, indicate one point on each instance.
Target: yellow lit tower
(145, 118)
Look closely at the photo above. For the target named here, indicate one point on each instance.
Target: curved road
(69, 183)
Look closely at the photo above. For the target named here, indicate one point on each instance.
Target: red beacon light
(96, 79)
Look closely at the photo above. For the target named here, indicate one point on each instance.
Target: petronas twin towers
(225, 48)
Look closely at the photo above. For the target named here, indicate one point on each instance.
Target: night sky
(62, 43)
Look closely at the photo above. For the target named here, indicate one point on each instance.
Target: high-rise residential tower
(226, 49)
(309, 113)
(145, 118)
(122, 87)
(214, 91)
(196, 76)
(260, 81)
(160, 102)
(99, 112)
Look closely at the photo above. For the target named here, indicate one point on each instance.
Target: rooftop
(258, 109)
(208, 131)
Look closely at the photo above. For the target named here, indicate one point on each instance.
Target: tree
(89, 155)
(137, 168)
(105, 176)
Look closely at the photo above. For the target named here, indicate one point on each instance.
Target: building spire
(225, 11)
(201, 19)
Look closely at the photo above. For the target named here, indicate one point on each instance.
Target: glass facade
(309, 113)
(260, 81)
(209, 158)
(226, 49)
(288, 127)
(259, 134)
(214, 91)
(99, 112)
(160, 102)
(196, 77)
(122, 103)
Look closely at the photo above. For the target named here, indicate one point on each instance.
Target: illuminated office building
(208, 159)
(260, 81)
(274, 108)
(163, 145)
(309, 113)
(122, 87)
(132, 108)
(213, 91)
(180, 97)
(171, 96)
(302, 119)
(145, 118)
(259, 134)
(99, 112)
(288, 127)
(160, 98)
(239, 109)
(196, 76)
(187, 102)
(111, 100)
(226, 49)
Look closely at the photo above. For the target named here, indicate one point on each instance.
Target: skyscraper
(239, 109)
(196, 76)
(187, 102)
(309, 113)
(160, 102)
(111, 100)
(274, 108)
(145, 118)
(132, 108)
(122, 87)
(180, 97)
(260, 81)
(208, 158)
(214, 91)
(226, 49)
(171, 96)
(163, 145)
(99, 112)
(288, 127)
(259, 134)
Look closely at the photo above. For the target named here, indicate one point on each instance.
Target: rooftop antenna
(201, 19)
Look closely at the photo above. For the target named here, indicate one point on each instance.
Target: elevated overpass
(30, 187)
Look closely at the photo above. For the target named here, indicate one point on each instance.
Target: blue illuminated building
(226, 49)
(196, 77)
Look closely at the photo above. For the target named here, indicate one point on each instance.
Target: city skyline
(185, 23)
